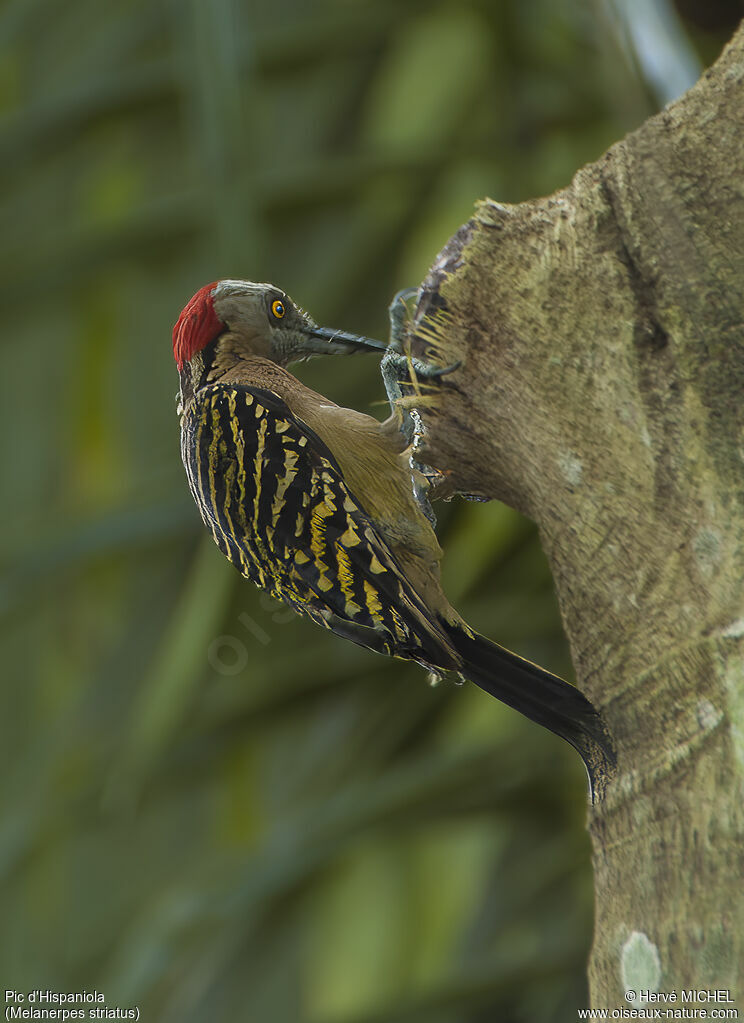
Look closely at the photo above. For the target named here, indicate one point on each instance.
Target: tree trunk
(601, 391)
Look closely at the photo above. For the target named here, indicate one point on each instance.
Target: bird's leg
(398, 313)
(394, 364)
(398, 365)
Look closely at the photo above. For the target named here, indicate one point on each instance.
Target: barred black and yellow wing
(278, 507)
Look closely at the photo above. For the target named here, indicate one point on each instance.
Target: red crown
(197, 325)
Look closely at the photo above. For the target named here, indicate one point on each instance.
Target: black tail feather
(542, 697)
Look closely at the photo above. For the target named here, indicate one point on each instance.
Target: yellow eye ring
(278, 308)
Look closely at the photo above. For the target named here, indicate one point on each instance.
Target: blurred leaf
(168, 688)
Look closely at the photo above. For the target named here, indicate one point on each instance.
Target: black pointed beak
(340, 341)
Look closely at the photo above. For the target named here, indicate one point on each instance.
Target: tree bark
(601, 391)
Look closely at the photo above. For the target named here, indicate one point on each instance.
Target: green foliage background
(211, 809)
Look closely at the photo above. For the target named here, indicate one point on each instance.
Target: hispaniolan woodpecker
(315, 503)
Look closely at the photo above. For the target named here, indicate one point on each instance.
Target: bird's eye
(278, 308)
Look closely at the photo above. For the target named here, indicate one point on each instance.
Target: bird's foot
(398, 313)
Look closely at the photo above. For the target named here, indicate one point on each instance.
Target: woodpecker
(316, 504)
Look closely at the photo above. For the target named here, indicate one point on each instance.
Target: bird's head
(228, 320)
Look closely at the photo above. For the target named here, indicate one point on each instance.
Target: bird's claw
(435, 372)
(396, 366)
